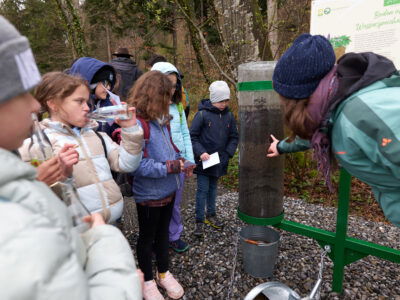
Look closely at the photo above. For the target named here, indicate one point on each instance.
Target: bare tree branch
(205, 44)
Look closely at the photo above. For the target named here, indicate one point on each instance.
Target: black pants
(153, 230)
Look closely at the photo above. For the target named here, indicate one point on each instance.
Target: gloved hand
(174, 166)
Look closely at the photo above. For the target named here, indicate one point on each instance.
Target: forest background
(205, 39)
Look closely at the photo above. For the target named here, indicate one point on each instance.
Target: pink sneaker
(169, 283)
(151, 292)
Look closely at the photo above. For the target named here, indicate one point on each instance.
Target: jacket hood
(168, 68)
(123, 63)
(205, 104)
(87, 67)
(13, 168)
(165, 67)
(358, 70)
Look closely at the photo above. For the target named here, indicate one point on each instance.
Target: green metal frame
(344, 249)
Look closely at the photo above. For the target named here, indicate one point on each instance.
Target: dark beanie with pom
(301, 68)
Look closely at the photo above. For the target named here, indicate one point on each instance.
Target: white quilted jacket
(92, 174)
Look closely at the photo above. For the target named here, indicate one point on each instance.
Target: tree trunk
(272, 11)
(175, 38)
(72, 23)
(187, 8)
(108, 42)
(244, 34)
(236, 24)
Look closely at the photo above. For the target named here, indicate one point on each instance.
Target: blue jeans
(206, 194)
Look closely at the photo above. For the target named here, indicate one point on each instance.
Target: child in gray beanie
(20, 73)
(42, 256)
(213, 130)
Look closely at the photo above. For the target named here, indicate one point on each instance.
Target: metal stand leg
(339, 251)
(345, 250)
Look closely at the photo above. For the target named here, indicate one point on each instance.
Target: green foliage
(340, 41)
(211, 34)
(39, 21)
(144, 15)
(231, 179)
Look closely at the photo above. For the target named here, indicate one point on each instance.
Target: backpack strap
(180, 111)
(103, 143)
(202, 118)
(146, 134)
(45, 137)
(170, 138)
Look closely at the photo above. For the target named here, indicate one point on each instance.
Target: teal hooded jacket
(365, 138)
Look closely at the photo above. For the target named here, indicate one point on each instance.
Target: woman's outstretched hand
(273, 147)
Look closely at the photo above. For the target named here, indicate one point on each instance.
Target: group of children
(44, 256)
(155, 148)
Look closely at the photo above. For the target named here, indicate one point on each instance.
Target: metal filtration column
(260, 178)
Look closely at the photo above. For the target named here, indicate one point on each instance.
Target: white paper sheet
(212, 161)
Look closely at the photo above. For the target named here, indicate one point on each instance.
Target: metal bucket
(273, 291)
(259, 259)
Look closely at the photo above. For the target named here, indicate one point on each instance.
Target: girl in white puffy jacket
(65, 98)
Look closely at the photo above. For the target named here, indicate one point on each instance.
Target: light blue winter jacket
(180, 132)
(43, 257)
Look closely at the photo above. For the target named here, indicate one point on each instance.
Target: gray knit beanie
(219, 91)
(19, 71)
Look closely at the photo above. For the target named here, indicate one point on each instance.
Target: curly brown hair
(150, 95)
(297, 118)
(56, 86)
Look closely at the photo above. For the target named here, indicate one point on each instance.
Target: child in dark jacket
(101, 78)
(213, 130)
(155, 182)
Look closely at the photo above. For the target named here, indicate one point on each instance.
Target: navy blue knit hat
(301, 68)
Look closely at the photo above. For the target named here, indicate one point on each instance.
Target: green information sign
(374, 26)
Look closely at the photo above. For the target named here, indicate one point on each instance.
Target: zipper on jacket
(221, 126)
(99, 185)
(172, 153)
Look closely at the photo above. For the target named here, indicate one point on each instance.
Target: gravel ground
(205, 271)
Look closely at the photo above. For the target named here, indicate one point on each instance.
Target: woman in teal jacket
(347, 110)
